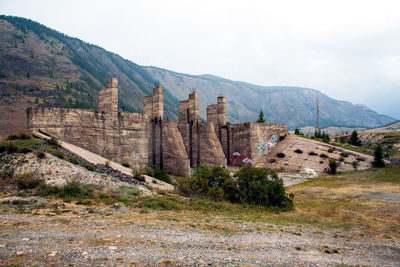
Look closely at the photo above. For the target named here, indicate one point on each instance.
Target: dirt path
(122, 240)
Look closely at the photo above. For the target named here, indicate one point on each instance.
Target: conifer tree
(260, 117)
(378, 157)
(354, 140)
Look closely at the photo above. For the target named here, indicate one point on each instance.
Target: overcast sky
(349, 50)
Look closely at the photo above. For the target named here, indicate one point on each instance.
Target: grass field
(348, 201)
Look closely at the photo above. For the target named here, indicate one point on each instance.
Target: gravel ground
(127, 237)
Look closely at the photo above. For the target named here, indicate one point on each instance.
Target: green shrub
(312, 153)
(73, 160)
(138, 174)
(341, 159)
(162, 175)
(211, 181)
(9, 147)
(28, 180)
(262, 187)
(248, 185)
(332, 166)
(88, 166)
(322, 155)
(331, 149)
(298, 151)
(53, 142)
(71, 190)
(345, 154)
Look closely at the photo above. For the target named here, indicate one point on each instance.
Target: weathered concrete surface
(97, 159)
(299, 161)
(142, 139)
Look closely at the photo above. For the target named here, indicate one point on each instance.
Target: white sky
(349, 50)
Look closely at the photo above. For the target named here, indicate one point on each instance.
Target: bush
(24, 150)
(332, 166)
(28, 180)
(154, 172)
(331, 149)
(341, 159)
(345, 154)
(125, 164)
(73, 160)
(298, 151)
(73, 189)
(40, 154)
(89, 167)
(21, 136)
(312, 153)
(138, 174)
(53, 142)
(322, 155)
(360, 159)
(162, 175)
(211, 181)
(282, 137)
(280, 155)
(272, 160)
(262, 187)
(249, 185)
(9, 147)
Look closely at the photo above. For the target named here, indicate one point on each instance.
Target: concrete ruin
(142, 139)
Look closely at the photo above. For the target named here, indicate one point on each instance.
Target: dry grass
(327, 202)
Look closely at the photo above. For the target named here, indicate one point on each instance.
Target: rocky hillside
(40, 66)
(294, 106)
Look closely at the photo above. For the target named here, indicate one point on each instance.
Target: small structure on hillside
(142, 139)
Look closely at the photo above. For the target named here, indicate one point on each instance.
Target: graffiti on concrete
(265, 144)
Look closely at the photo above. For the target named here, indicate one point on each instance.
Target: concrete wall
(145, 139)
(202, 144)
(121, 137)
(153, 105)
(134, 138)
(189, 109)
(175, 159)
(240, 141)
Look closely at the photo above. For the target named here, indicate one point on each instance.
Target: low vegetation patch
(298, 151)
(152, 171)
(28, 180)
(248, 185)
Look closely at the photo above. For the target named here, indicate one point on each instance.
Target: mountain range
(40, 66)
